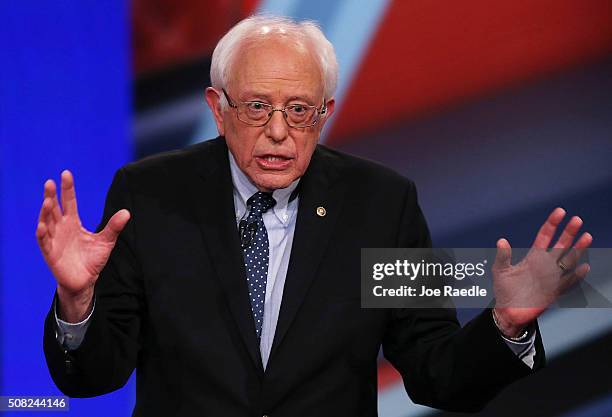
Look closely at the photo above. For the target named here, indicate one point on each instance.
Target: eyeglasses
(257, 113)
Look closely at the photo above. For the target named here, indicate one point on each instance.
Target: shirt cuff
(525, 350)
(71, 335)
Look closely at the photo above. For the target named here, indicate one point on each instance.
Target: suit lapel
(320, 203)
(217, 222)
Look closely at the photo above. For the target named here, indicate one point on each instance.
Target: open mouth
(273, 162)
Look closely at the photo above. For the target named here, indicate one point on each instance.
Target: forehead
(276, 65)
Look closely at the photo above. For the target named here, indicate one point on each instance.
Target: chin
(270, 183)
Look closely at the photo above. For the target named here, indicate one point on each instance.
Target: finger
(115, 225)
(51, 192)
(69, 203)
(41, 231)
(578, 274)
(44, 242)
(548, 229)
(569, 233)
(44, 209)
(46, 216)
(584, 241)
(582, 270)
(503, 256)
(49, 220)
(569, 258)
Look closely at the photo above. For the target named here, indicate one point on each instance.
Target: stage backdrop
(64, 103)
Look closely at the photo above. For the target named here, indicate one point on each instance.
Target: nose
(277, 128)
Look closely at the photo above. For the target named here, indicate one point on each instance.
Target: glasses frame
(318, 111)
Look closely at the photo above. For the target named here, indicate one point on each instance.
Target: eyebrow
(266, 97)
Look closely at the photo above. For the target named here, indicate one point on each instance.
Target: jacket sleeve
(442, 364)
(107, 356)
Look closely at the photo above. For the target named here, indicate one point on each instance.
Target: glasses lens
(300, 115)
(254, 112)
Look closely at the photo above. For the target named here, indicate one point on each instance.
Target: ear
(214, 102)
(329, 110)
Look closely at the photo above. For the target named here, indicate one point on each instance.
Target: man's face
(280, 72)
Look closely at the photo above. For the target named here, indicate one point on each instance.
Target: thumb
(503, 257)
(115, 225)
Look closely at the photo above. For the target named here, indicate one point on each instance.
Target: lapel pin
(321, 212)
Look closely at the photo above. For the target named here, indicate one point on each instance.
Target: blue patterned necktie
(256, 251)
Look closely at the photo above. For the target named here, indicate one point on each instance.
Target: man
(228, 273)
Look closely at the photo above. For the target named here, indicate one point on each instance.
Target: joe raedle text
(424, 291)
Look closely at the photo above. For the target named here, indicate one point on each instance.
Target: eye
(298, 109)
(256, 106)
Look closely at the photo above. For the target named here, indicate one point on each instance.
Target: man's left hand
(523, 291)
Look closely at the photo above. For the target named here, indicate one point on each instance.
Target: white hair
(252, 27)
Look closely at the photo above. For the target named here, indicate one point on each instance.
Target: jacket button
(69, 366)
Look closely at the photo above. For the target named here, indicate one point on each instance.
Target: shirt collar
(244, 189)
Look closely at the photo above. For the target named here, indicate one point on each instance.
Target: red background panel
(387, 375)
(166, 33)
(429, 54)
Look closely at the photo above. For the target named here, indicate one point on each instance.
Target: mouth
(273, 162)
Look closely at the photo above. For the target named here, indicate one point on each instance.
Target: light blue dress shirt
(280, 224)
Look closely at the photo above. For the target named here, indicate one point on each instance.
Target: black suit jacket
(172, 302)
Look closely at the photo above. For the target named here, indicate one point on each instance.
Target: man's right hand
(74, 255)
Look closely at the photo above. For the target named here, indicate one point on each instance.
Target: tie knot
(261, 202)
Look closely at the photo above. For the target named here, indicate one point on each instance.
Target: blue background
(65, 103)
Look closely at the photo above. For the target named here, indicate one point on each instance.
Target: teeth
(273, 158)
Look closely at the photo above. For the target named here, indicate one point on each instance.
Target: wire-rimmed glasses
(256, 113)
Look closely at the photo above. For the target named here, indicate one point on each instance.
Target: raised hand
(523, 291)
(74, 255)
